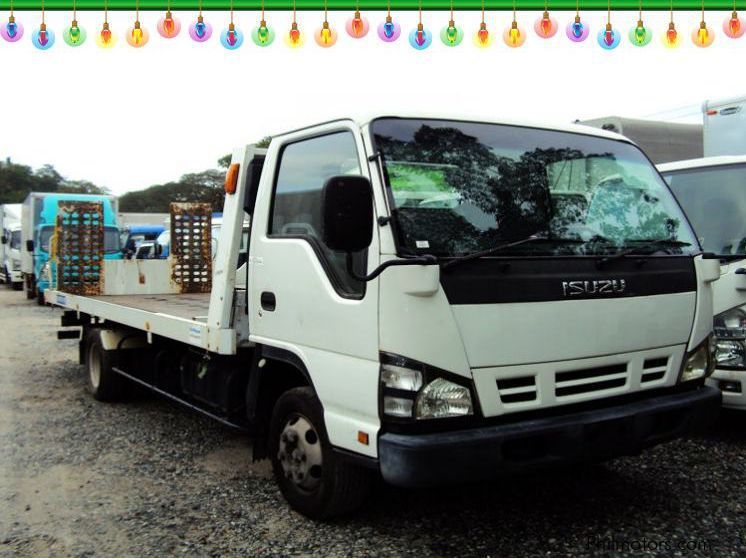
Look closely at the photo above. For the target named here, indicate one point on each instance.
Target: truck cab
(133, 236)
(42, 215)
(431, 298)
(11, 264)
(712, 192)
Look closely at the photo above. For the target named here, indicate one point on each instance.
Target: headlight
(700, 362)
(414, 391)
(443, 399)
(44, 273)
(730, 329)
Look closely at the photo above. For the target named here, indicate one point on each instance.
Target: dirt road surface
(148, 478)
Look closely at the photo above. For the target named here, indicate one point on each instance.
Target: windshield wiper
(493, 250)
(646, 245)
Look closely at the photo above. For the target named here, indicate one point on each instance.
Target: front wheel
(312, 478)
(17, 286)
(40, 297)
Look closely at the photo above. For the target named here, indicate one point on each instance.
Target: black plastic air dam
(486, 452)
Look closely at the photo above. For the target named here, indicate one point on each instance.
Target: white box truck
(712, 192)
(428, 299)
(724, 132)
(10, 246)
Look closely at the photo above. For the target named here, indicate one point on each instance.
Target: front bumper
(484, 452)
(733, 385)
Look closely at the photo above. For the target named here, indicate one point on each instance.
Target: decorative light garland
(357, 27)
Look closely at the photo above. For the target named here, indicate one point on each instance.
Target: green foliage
(206, 186)
(17, 180)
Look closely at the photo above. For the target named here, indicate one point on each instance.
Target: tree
(17, 180)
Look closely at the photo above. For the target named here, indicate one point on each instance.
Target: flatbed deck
(192, 307)
(181, 317)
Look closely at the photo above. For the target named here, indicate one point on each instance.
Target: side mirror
(4, 239)
(30, 245)
(347, 213)
(157, 249)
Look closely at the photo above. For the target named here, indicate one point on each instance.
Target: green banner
(349, 5)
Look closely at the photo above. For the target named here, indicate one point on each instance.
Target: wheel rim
(300, 453)
(94, 366)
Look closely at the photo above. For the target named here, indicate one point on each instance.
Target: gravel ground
(147, 478)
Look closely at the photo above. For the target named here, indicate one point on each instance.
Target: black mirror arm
(422, 260)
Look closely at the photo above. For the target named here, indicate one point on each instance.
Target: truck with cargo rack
(425, 299)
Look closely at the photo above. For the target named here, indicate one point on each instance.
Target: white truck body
(576, 342)
(712, 191)
(724, 132)
(10, 221)
(141, 218)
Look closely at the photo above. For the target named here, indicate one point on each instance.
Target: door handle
(268, 301)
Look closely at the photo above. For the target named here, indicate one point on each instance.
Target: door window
(296, 207)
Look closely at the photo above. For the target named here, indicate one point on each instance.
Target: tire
(336, 487)
(103, 383)
(40, 297)
(17, 286)
(30, 291)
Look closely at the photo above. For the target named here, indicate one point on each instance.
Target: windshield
(111, 239)
(715, 203)
(15, 239)
(460, 187)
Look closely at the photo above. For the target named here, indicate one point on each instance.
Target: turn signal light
(231, 179)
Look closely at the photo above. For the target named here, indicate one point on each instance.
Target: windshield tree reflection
(459, 187)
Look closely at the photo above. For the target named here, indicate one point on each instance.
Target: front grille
(579, 381)
(654, 369)
(517, 389)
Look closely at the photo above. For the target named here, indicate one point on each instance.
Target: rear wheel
(312, 478)
(103, 383)
(40, 297)
(30, 289)
(17, 286)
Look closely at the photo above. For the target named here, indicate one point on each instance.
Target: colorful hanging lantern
(294, 37)
(702, 36)
(609, 37)
(43, 38)
(357, 26)
(137, 36)
(420, 38)
(577, 31)
(11, 31)
(546, 26)
(671, 36)
(389, 30)
(732, 26)
(262, 34)
(105, 38)
(74, 35)
(231, 37)
(639, 35)
(168, 26)
(451, 35)
(200, 30)
(325, 36)
(514, 36)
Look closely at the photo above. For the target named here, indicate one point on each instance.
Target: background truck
(38, 220)
(429, 300)
(10, 263)
(724, 130)
(712, 192)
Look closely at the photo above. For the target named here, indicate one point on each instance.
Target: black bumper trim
(480, 453)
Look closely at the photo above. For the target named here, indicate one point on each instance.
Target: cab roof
(713, 161)
(366, 118)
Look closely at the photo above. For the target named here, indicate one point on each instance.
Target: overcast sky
(127, 118)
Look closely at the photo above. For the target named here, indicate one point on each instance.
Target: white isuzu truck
(432, 300)
(712, 192)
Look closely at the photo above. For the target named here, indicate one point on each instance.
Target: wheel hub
(300, 453)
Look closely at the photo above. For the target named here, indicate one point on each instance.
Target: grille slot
(654, 369)
(517, 389)
(580, 381)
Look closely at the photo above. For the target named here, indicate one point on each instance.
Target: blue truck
(38, 219)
